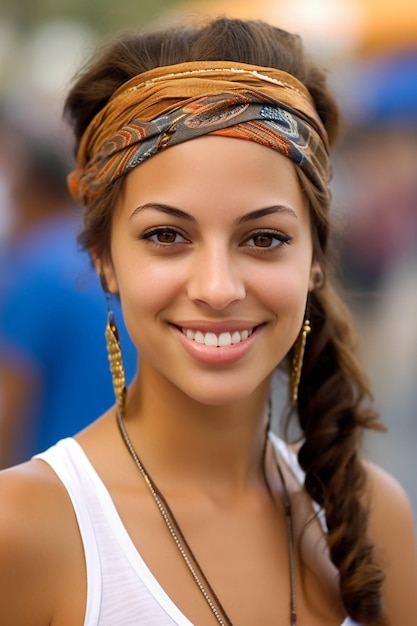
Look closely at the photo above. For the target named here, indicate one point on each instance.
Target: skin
(195, 414)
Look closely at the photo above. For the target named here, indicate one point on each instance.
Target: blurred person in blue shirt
(54, 375)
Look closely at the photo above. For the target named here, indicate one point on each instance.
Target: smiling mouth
(220, 340)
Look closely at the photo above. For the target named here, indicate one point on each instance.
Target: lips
(217, 343)
(219, 340)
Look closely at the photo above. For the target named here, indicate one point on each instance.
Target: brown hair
(333, 387)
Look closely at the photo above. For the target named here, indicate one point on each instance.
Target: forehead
(210, 171)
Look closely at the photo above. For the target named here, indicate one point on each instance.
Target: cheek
(145, 291)
(284, 288)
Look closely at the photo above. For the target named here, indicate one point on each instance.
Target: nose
(215, 278)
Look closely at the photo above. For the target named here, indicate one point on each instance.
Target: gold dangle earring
(297, 360)
(115, 353)
(300, 346)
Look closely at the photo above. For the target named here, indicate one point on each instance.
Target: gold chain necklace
(184, 548)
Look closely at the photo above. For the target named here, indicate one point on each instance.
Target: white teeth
(213, 340)
(199, 337)
(225, 339)
(210, 339)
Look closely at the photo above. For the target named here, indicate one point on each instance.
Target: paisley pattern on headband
(246, 115)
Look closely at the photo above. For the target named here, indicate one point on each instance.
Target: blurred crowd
(375, 200)
(54, 375)
(52, 311)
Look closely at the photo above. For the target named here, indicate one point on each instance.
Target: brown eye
(263, 240)
(267, 240)
(166, 236)
(163, 236)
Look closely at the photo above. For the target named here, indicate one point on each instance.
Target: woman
(203, 160)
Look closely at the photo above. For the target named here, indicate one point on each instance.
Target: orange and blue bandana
(242, 113)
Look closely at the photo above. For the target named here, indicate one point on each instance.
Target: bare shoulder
(393, 530)
(37, 532)
(389, 503)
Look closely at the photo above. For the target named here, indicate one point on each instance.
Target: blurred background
(369, 48)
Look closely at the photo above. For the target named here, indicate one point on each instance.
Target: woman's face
(211, 253)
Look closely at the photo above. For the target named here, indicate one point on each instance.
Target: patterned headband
(170, 105)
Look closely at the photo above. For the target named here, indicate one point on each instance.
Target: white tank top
(120, 587)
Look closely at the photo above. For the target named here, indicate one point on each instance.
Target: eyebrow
(164, 208)
(270, 210)
(253, 215)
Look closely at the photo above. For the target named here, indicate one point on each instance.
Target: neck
(218, 449)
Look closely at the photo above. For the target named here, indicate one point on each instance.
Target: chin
(221, 396)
